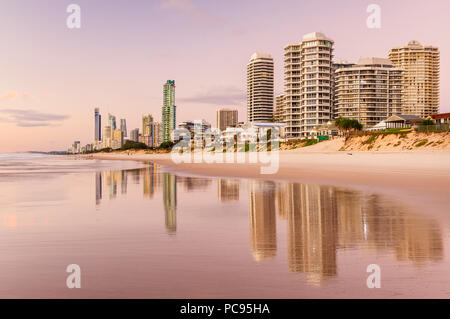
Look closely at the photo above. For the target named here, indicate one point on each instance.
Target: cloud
(12, 95)
(218, 96)
(191, 11)
(30, 118)
(8, 96)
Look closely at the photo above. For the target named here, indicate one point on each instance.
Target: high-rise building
(292, 90)
(147, 130)
(112, 122)
(134, 135)
(337, 65)
(260, 83)
(369, 91)
(116, 139)
(278, 114)
(227, 118)
(168, 110)
(308, 84)
(157, 134)
(146, 121)
(420, 95)
(123, 127)
(98, 125)
(107, 132)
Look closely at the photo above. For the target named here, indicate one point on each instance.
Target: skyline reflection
(320, 220)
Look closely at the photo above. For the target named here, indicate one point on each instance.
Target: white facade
(260, 83)
(308, 84)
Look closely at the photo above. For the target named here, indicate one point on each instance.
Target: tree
(347, 125)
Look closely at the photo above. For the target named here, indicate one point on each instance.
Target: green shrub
(421, 143)
(370, 140)
(310, 142)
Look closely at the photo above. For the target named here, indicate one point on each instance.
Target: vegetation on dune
(310, 142)
(132, 145)
(421, 143)
(167, 145)
(370, 140)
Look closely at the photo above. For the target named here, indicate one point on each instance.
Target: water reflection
(263, 226)
(227, 189)
(321, 221)
(170, 201)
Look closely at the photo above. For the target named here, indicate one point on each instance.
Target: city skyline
(50, 90)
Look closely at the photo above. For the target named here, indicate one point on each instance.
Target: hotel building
(420, 95)
(369, 91)
(260, 83)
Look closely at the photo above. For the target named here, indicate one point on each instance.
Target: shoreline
(421, 177)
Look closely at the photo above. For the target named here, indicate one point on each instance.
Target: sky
(52, 77)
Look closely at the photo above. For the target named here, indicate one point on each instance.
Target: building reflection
(228, 189)
(194, 183)
(320, 220)
(312, 230)
(323, 219)
(151, 180)
(263, 227)
(170, 201)
(98, 187)
(124, 182)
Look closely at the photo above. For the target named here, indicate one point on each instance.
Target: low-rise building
(402, 121)
(443, 118)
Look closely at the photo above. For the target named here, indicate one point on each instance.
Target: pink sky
(53, 77)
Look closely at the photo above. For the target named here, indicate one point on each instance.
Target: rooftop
(256, 56)
(315, 36)
(371, 61)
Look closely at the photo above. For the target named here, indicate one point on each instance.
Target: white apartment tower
(370, 91)
(278, 114)
(308, 84)
(260, 83)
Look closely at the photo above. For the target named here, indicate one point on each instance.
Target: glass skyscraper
(168, 111)
(98, 125)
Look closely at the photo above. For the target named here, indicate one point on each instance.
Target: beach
(423, 175)
(165, 231)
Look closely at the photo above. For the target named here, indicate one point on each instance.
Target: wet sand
(141, 231)
(424, 175)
